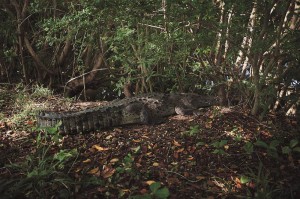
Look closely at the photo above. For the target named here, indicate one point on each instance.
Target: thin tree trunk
(219, 46)
(242, 58)
(20, 30)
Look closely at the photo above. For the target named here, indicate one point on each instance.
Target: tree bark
(36, 57)
(21, 12)
(77, 82)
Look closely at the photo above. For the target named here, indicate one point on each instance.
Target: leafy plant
(219, 145)
(127, 165)
(291, 148)
(39, 91)
(271, 148)
(264, 187)
(52, 132)
(248, 147)
(44, 173)
(126, 171)
(193, 131)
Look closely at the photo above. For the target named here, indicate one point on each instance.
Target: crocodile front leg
(138, 112)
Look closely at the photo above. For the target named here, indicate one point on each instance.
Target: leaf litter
(193, 156)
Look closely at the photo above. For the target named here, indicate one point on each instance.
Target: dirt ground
(193, 156)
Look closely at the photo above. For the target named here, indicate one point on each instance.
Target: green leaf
(219, 144)
(216, 151)
(155, 186)
(261, 144)
(222, 152)
(286, 150)
(245, 179)
(222, 143)
(200, 144)
(238, 137)
(248, 147)
(293, 143)
(64, 155)
(136, 149)
(162, 193)
(215, 144)
(296, 149)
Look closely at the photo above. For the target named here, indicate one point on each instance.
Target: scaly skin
(147, 108)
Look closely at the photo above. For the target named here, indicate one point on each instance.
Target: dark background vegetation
(243, 51)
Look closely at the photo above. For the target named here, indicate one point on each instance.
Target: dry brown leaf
(108, 137)
(186, 174)
(192, 149)
(190, 158)
(180, 150)
(138, 165)
(86, 161)
(30, 122)
(150, 182)
(126, 190)
(78, 169)
(108, 172)
(200, 177)
(176, 155)
(99, 148)
(176, 143)
(143, 191)
(118, 130)
(114, 160)
(208, 124)
(94, 171)
(155, 164)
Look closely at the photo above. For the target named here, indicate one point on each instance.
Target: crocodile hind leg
(148, 116)
(187, 111)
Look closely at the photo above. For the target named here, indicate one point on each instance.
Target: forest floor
(223, 153)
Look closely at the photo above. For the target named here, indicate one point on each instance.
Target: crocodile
(141, 109)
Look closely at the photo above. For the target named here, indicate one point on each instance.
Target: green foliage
(126, 170)
(193, 131)
(44, 174)
(271, 148)
(52, 132)
(127, 165)
(264, 187)
(292, 147)
(244, 179)
(39, 92)
(22, 102)
(248, 147)
(23, 105)
(169, 47)
(219, 145)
